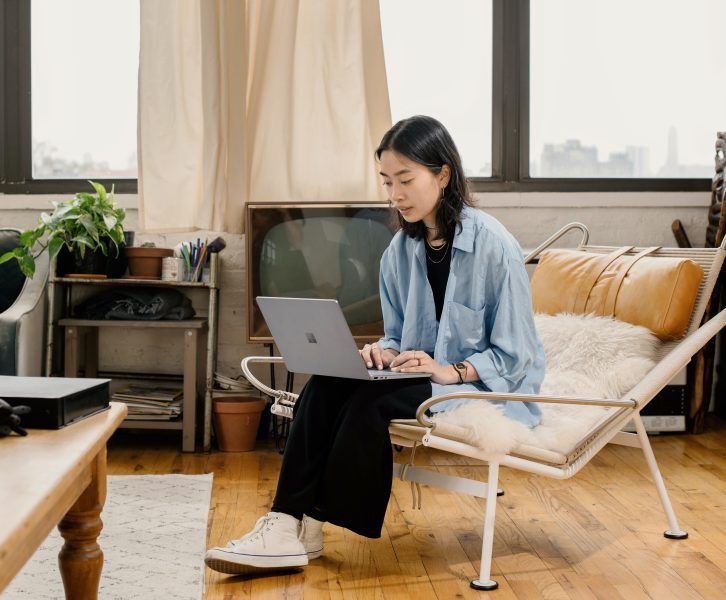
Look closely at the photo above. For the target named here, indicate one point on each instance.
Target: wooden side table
(84, 332)
(57, 477)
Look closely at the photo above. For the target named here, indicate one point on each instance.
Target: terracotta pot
(236, 420)
(146, 262)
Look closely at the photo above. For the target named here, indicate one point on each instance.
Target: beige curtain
(257, 101)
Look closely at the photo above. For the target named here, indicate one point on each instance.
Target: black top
(438, 261)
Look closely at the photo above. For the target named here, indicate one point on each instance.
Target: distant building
(673, 168)
(572, 159)
(640, 157)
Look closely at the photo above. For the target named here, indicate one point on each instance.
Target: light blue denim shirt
(487, 315)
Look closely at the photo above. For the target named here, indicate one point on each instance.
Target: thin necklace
(439, 247)
(443, 246)
(436, 262)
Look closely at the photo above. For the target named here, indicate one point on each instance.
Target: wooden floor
(596, 536)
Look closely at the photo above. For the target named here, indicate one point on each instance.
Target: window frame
(510, 117)
(16, 152)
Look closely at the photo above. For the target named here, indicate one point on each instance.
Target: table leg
(81, 559)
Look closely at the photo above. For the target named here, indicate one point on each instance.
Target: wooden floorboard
(596, 536)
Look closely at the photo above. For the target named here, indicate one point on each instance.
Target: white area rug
(153, 541)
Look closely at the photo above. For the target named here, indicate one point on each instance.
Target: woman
(456, 304)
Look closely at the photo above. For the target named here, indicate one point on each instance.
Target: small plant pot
(145, 263)
(236, 420)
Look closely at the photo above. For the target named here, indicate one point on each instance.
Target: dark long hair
(427, 142)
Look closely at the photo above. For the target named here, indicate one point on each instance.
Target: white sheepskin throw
(587, 357)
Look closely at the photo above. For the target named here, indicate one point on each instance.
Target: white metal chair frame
(443, 436)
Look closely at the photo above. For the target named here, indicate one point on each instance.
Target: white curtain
(257, 101)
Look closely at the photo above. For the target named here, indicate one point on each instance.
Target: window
(540, 95)
(623, 89)
(439, 63)
(68, 96)
(84, 70)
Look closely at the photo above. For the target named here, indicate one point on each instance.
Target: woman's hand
(417, 361)
(376, 357)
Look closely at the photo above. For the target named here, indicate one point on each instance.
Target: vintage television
(318, 250)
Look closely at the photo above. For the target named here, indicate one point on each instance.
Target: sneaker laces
(263, 523)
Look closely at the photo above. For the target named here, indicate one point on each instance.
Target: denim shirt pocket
(467, 331)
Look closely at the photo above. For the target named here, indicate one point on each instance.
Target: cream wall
(613, 218)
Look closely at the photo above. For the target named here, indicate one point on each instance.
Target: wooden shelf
(83, 333)
(129, 281)
(194, 323)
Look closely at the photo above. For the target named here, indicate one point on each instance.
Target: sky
(611, 73)
(84, 57)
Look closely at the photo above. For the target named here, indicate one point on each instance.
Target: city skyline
(572, 158)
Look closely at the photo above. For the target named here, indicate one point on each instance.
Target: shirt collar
(464, 238)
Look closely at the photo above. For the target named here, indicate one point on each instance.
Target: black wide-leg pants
(337, 465)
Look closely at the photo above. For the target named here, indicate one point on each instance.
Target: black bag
(137, 303)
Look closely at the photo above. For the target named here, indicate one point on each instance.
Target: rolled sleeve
(391, 305)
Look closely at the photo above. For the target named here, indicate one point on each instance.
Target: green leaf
(28, 238)
(62, 210)
(100, 190)
(54, 246)
(7, 256)
(89, 226)
(110, 221)
(83, 240)
(27, 266)
(117, 235)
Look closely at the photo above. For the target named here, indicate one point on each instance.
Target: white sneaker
(274, 543)
(312, 537)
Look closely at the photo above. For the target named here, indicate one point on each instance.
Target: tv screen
(318, 251)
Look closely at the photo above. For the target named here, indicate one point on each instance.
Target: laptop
(313, 337)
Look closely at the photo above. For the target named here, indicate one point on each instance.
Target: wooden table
(56, 477)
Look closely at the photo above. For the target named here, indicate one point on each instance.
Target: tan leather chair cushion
(655, 292)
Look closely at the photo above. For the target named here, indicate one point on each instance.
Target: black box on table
(55, 401)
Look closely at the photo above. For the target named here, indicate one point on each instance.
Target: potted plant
(145, 260)
(86, 228)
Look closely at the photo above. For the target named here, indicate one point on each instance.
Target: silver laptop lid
(313, 336)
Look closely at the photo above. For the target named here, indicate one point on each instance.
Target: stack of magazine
(151, 402)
